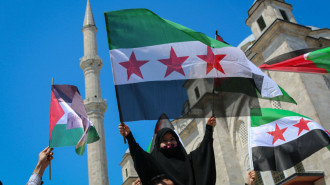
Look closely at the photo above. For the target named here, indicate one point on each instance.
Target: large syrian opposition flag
(69, 123)
(154, 60)
(313, 62)
(279, 139)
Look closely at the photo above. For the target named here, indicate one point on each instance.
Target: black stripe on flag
(148, 100)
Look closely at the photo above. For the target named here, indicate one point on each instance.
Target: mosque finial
(89, 19)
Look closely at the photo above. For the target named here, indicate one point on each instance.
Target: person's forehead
(168, 134)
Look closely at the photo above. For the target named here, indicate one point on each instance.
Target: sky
(42, 39)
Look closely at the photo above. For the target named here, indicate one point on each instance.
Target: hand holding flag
(124, 129)
(212, 121)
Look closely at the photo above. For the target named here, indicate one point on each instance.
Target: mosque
(276, 36)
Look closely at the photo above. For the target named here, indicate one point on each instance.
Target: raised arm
(203, 159)
(144, 164)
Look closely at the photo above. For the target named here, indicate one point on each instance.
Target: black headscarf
(174, 161)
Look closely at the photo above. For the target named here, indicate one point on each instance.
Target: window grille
(197, 93)
(276, 104)
(259, 179)
(285, 17)
(299, 168)
(261, 23)
(243, 133)
(277, 176)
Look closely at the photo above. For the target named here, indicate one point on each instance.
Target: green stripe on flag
(92, 136)
(269, 115)
(321, 58)
(123, 26)
(65, 137)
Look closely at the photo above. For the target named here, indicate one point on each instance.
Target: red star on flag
(133, 66)
(277, 134)
(173, 63)
(302, 125)
(213, 61)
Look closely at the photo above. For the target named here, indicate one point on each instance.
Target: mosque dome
(313, 27)
(244, 44)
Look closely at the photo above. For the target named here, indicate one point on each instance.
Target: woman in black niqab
(196, 168)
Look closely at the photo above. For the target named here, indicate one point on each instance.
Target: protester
(169, 157)
(45, 157)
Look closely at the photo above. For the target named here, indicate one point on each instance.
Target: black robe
(196, 168)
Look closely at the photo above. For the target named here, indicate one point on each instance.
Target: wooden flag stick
(50, 164)
(50, 170)
(124, 136)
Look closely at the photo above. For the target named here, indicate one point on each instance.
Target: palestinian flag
(219, 38)
(313, 62)
(69, 123)
(279, 139)
(156, 61)
(163, 122)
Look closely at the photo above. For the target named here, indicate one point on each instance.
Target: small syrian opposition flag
(313, 62)
(279, 139)
(69, 123)
(154, 61)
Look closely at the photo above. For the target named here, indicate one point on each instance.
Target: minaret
(95, 105)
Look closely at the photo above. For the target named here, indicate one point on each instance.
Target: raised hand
(212, 121)
(250, 177)
(124, 129)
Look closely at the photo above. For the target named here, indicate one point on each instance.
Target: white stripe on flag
(235, 64)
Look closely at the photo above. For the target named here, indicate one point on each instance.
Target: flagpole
(119, 111)
(50, 165)
(213, 113)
